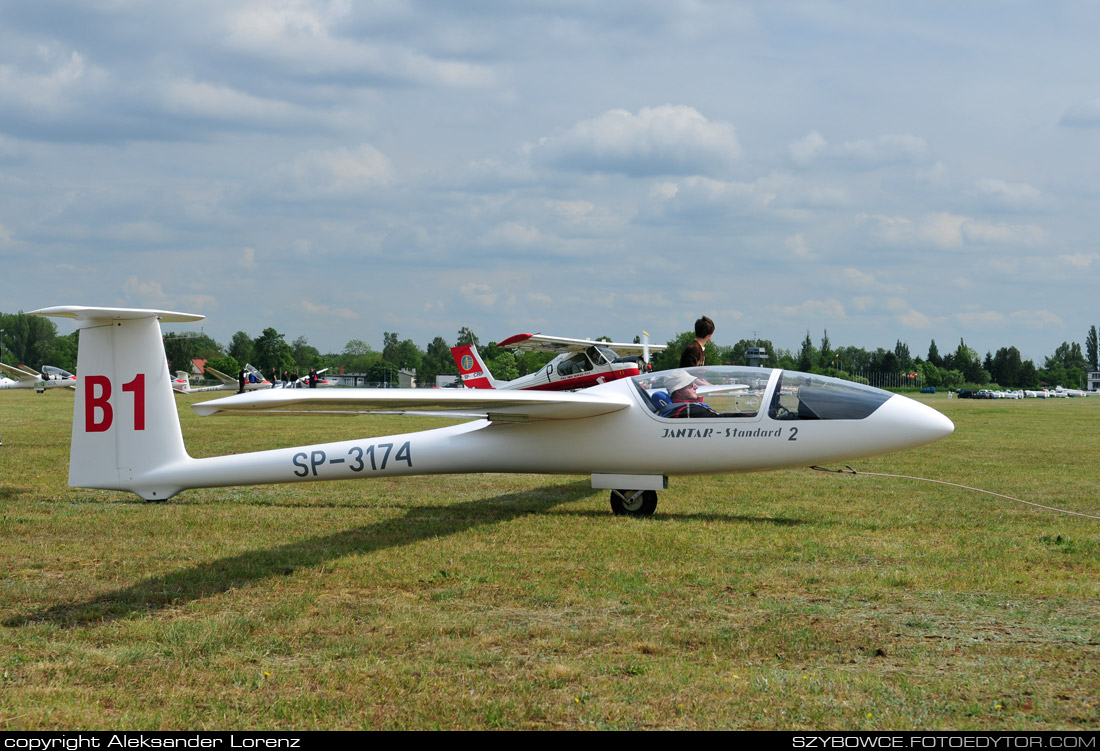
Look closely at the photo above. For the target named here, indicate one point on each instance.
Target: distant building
(406, 379)
(1094, 381)
(755, 355)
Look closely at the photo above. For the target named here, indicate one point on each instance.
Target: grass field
(793, 599)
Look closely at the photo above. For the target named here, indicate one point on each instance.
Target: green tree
(65, 350)
(466, 337)
(180, 350)
(241, 347)
(1005, 367)
(437, 360)
(408, 355)
(225, 364)
(382, 372)
(1066, 367)
(736, 355)
(356, 348)
(28, 340)
(1092, 348)
(934, 355)
(905, 360)
(503, 366)
(270, 350)
(807, 356)
(670, 357)
(825, 354)
(305, 355)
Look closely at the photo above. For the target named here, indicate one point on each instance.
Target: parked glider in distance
(23, 377)
(322, 383)
(254, 380)
(126, 428)
(580, 363)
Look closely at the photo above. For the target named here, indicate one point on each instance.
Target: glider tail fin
(473, 370)
(125, 422)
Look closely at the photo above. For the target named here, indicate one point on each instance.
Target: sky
(879, 171)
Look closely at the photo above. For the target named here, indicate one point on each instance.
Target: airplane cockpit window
(704, 392)
(801, 396)
(602, 355)
(578, 363)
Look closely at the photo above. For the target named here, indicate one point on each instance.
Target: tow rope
(849, 471)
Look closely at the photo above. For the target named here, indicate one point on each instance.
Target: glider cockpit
(742, 392)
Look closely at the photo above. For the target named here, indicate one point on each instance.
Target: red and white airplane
(22, 377)
(580, 363)
(126, 427)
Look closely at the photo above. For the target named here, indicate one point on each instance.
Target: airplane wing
(18, 374)
(721, 389)
(220, 376)
(510, 406)
(559, 344)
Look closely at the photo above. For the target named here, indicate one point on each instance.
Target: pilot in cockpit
(686, 402)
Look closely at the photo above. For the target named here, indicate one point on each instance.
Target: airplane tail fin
(125, 421)
(473, 370)
(182, 382)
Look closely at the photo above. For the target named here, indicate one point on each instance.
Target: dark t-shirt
(692, 356)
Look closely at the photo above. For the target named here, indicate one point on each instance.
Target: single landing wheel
(634, 502)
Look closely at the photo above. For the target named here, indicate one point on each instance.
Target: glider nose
(915, 423)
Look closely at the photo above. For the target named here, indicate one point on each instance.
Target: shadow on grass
(6, 493)
(215, 577)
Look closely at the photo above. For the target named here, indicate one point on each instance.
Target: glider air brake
(126, 428)
(580, 363)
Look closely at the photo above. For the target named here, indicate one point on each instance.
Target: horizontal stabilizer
(83, 313)
(518, 406)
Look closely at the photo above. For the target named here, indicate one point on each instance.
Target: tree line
(34, 341)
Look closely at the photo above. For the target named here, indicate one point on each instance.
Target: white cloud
(861, 279)
(803, 151)
(863, 153)
(814, 310)
(150, 293)
(198, 99)
(952, 231)
(665, 140)
(1010, 194)
(944, 230)
(978, 318)
(886, 149)
(332, 173)
(327, 311)
(60, 88)
(308, 38)
(1037, 319)
(797, 245)
(1080, 260)
(515, 234)
(914, 319)
(481, 295)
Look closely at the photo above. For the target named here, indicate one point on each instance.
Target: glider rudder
(125, 419)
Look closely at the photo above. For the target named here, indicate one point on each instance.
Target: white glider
(126, 429)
